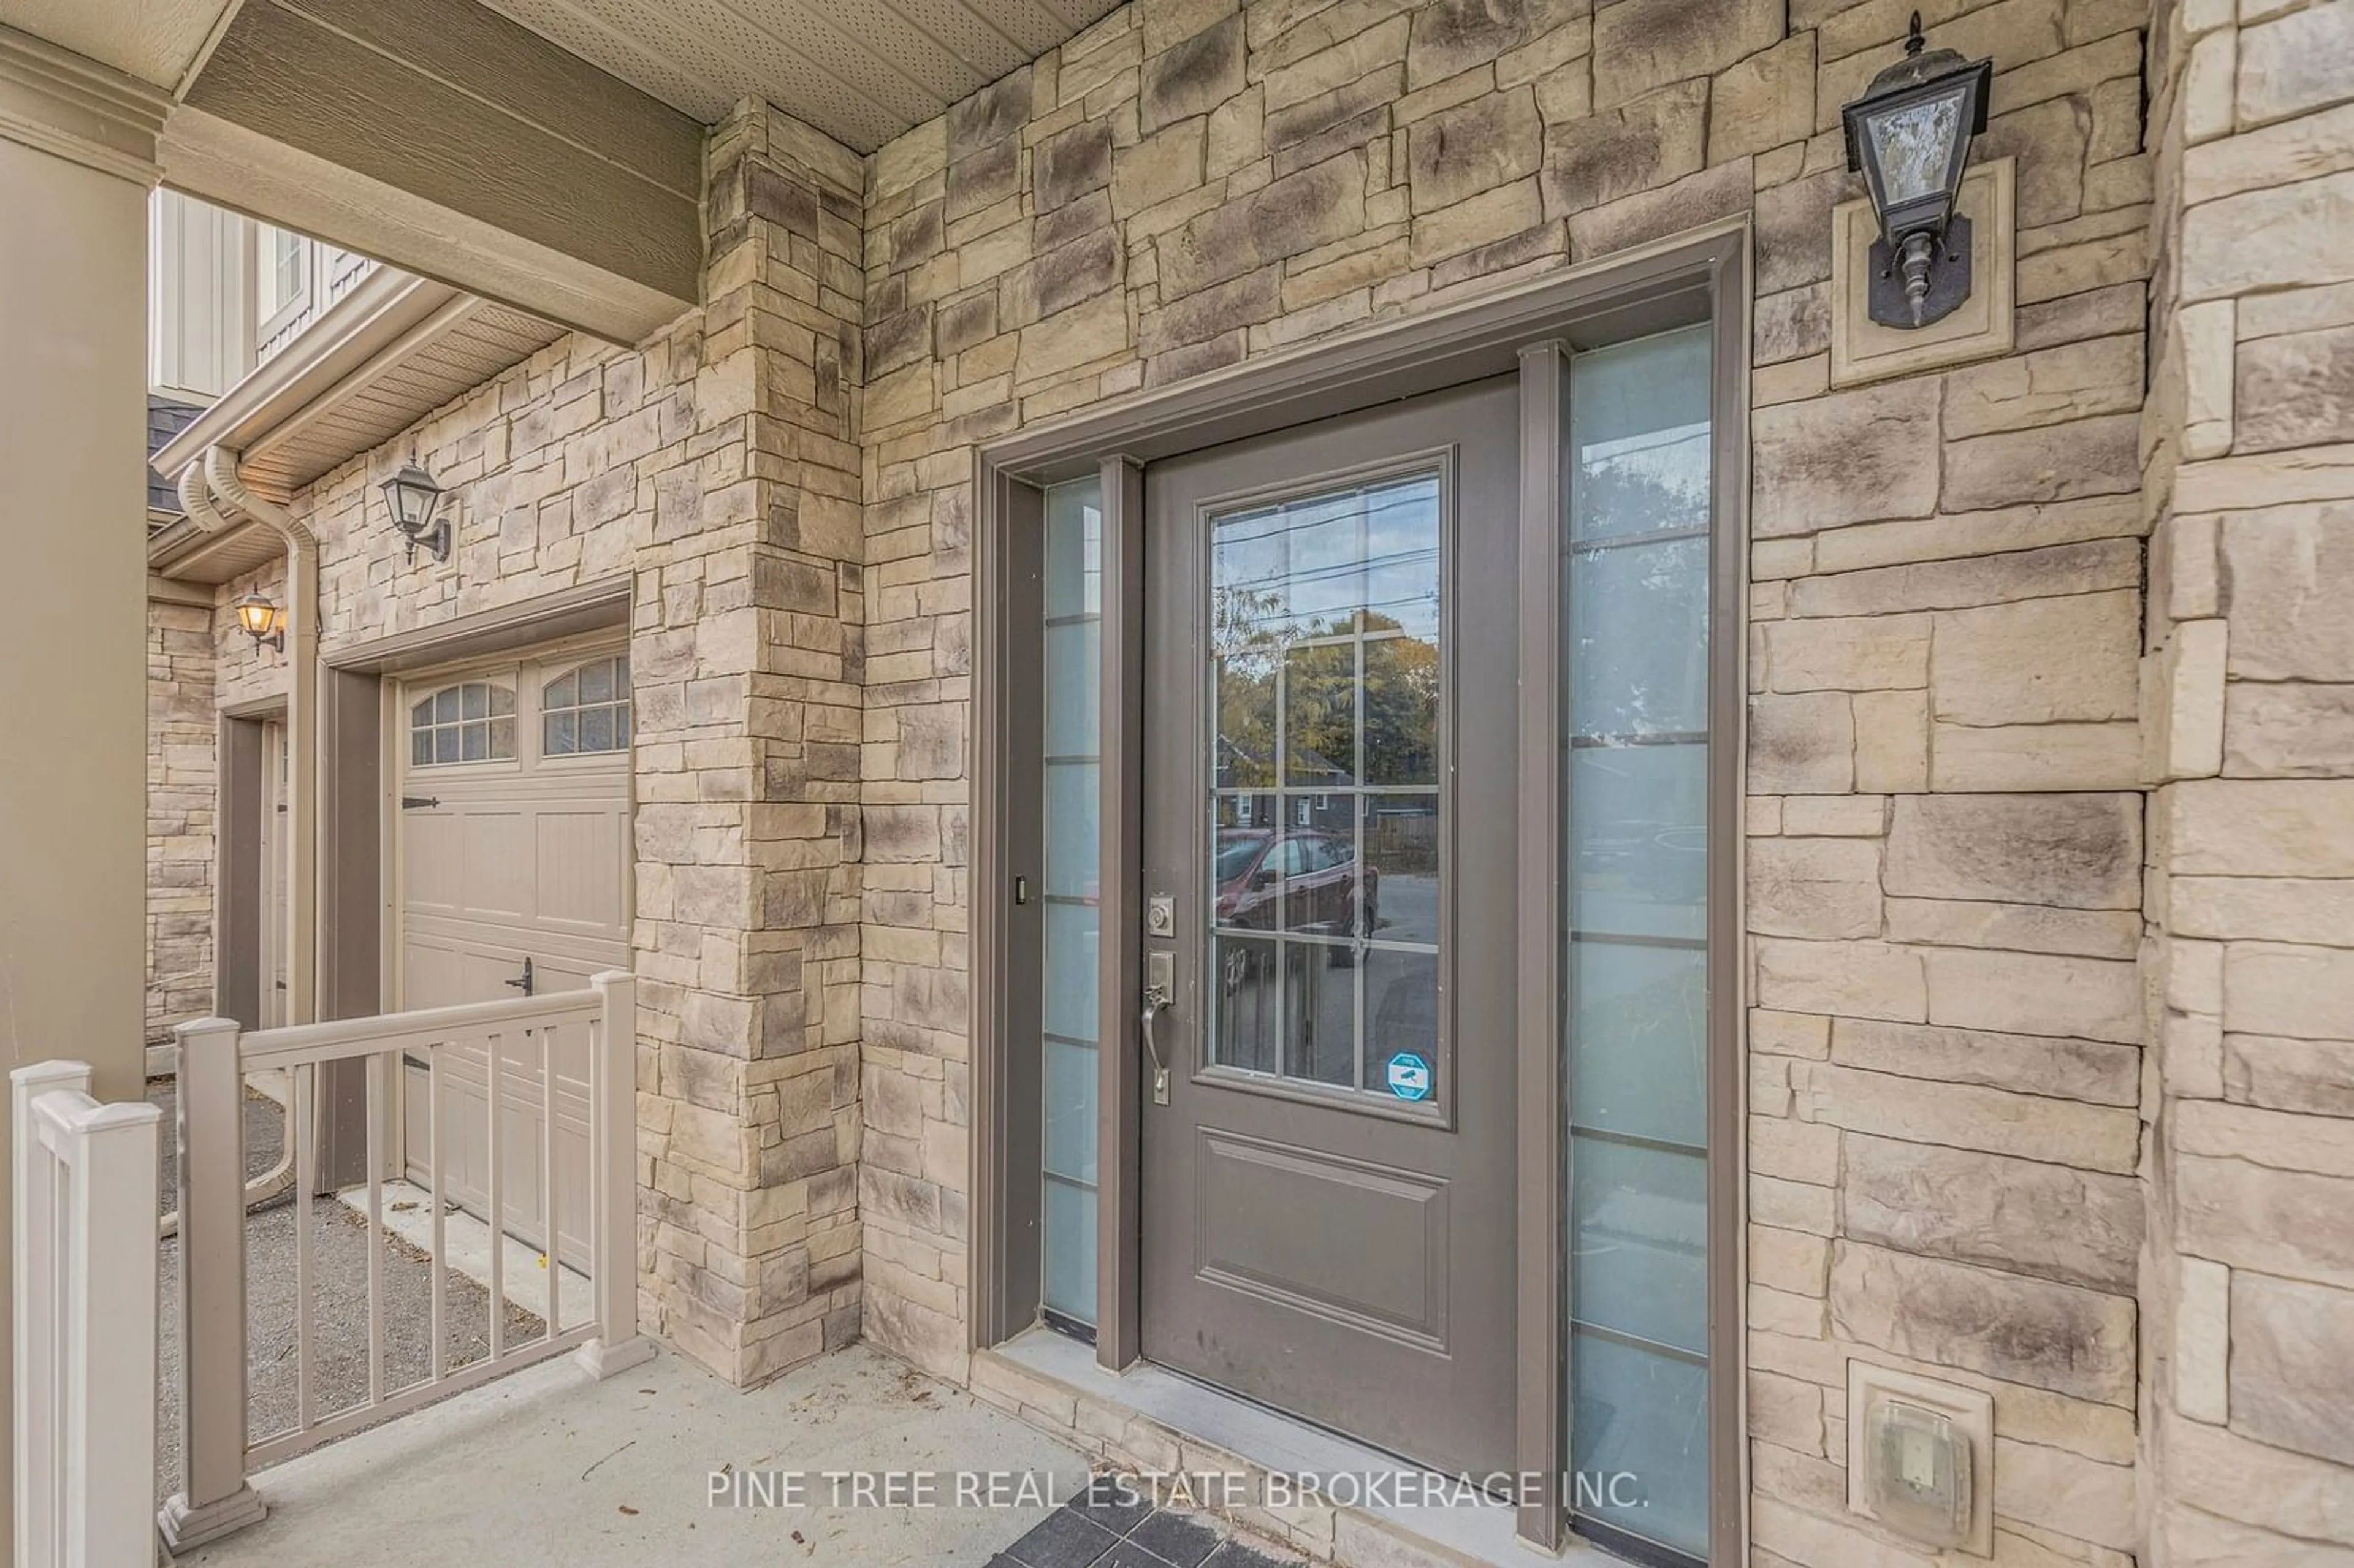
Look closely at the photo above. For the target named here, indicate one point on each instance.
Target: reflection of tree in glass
(1664, 1024)
(1400, 688)
(1622, 498)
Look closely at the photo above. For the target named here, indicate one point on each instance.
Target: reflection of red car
(1313, 877)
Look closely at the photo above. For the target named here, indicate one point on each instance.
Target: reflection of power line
(1425, 495)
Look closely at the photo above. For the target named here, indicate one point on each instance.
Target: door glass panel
(1069, 889)
(1325, 817)
(1636, 632)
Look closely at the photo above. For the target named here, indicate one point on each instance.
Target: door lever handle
(1156, 1001)
(522, 982)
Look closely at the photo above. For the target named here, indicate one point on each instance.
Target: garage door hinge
(411, 802)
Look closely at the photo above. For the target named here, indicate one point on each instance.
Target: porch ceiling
(860, 70)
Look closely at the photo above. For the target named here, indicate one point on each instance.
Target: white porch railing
(85, 1301)
(217, 1450)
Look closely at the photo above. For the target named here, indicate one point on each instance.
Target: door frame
(1703, 274)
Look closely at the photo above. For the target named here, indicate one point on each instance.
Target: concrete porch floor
(550, 1466)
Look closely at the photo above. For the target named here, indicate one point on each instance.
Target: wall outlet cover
(1970, 1410)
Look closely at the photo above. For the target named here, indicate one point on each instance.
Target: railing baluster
(376, 1108)
(298, 1126)
(435, 1265)
(495, 1054)
(551, 1239)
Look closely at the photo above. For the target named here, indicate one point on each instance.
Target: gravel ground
(339, 1253)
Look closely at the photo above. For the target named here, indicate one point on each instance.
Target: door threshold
(1150, 1419)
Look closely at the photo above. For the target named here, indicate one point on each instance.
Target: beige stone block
(1483, 219)
(2203, 1339)
(1851, 979)
(1972, 1115)
(2038, 1332)
(2292, 569)
(1776, 560)
(2043, 660)
(2292, 1383)
(1835, 816)
(1790, 1262)
(1793, 1206)
(2020, 1215)
(1865, 654)
(2319, 1144)
(2282, 989)
(2036, 993)
(2296, 310)
(1491, 141)
(1766, 101)
(1705, 197)
(2071, 850)
(1163, 165)
(2304, 227)
(2235, 827)
(1788, 1535)
(2294, 389)
(1641, 44)
(2024, 927)
(2302, 1498)
(2060, 569)
(1785, 1411)
(2316, 1076)
(2206, 92)
(1850, 457)
(2073, 381)
(1618, 152)
(1891, 741)
(2035, 757)
(2182, 703)
(1825, 889)
(2266, 908)
(2295, 1224)
(2295, 64)
(1801, 744)
(2095, 456)
(2279, 154)
(1794, 1150)
(2082, 1498)
(1790, 382)
(1789, 1033)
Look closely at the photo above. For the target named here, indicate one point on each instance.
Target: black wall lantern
(1909, 136)
(414, 499)
(262, 620)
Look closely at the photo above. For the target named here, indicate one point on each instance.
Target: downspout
(215, 475)
(220, 474)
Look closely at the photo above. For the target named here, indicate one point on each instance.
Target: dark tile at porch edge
(1065, 1539)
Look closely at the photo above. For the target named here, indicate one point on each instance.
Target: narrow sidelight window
(1636, 646)
(1073, 925)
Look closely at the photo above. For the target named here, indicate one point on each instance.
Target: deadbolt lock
(1161, 916)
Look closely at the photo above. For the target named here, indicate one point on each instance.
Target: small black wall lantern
(262, 620)
(1909, 136)
(414, 498)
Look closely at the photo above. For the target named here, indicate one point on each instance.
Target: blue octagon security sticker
(1409, 1077)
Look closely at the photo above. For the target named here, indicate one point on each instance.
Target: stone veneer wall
(1947, 827)
(718, 462)
(2249, 1279)
(182, 774)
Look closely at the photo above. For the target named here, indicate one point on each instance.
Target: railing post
(39, 1395)
(612, 1180)
(214, 1498)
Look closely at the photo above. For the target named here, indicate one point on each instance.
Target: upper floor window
(472, 722)
(285, 275)
(586, 709)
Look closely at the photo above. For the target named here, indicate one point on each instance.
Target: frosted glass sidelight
(1072, 681)
(1635, 612)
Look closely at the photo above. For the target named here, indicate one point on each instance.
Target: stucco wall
(182, 775)
(2249, 1281)
(1945, 827)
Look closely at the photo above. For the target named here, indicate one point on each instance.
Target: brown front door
(1328, 1193)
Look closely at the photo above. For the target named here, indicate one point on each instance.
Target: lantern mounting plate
(1891, 305)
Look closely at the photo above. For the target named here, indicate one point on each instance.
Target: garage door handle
(523, 983)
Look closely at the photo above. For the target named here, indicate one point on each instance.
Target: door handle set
(522, 982)
(1160, 977)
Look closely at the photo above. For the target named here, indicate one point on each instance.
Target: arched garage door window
(472, 721)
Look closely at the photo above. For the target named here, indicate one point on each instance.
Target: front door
(1328, 1194)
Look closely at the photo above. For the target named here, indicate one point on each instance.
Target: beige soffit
(160, 42)
(860, 71)
(390, 351)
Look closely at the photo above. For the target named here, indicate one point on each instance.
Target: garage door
(514, 873)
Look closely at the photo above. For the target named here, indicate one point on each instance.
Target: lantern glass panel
(1913, 144)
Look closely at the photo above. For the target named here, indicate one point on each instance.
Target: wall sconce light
(414, 498)
(1909, 136)
(263, 620)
